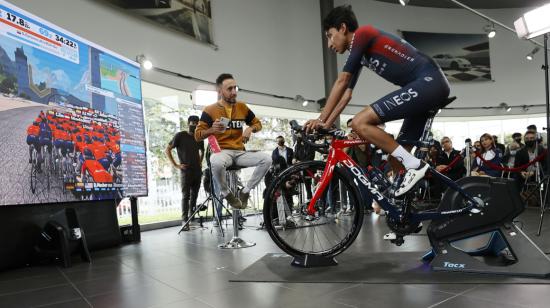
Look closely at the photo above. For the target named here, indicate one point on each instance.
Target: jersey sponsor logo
(399, 53)
(400, 99)
(363, 179)
(236, 124)
(374, 65)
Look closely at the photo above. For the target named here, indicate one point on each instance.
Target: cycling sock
(406, 158)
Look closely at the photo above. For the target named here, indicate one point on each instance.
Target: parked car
(447, 61)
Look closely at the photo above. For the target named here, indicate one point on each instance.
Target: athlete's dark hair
(193, 118)
(223, 77)
(338, 16)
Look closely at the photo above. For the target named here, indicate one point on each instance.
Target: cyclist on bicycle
(423, 87)
(33, 133)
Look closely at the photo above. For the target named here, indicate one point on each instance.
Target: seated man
(231, 139)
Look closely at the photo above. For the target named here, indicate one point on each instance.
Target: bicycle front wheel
(330, 230)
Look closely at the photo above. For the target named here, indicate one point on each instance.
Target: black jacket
(458, 170)
(289, 155)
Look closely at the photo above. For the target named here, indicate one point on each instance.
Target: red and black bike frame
(369, 191)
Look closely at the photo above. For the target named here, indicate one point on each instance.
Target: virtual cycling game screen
(71, 116)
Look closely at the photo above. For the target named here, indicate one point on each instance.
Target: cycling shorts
(413, 102)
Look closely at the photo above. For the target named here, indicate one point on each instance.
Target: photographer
(512, 149)
(531, 150)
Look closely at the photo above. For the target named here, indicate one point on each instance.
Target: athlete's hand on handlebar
(315, 124)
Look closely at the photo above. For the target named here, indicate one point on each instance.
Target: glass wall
(166, 113)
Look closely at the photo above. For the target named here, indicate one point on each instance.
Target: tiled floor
(167, 270)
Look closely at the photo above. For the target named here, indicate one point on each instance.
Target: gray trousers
(226, 158)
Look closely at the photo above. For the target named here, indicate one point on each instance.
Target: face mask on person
(530, 143)
(192, 128)
(518, 140)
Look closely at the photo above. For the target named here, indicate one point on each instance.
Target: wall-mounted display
(463, 57)
(71, 116)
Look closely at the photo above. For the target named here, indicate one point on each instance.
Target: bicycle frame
(369, 191)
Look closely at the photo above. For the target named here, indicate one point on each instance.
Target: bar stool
(234, 184)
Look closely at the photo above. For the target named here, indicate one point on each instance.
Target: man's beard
(230, 100)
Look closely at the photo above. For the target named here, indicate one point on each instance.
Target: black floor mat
(372, 268)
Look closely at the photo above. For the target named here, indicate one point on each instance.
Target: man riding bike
(423, 88)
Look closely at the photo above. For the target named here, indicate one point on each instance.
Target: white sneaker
(390, 236)
(411, 178)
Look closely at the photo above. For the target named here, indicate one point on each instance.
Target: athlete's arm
(344, 101)
(335, 96)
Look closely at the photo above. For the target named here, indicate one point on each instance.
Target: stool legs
(236, 242)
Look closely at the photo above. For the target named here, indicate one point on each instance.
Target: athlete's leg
(412, 101)
(365, 125)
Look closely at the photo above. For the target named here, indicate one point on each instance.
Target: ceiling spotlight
(404, 2)
(145, 63)
(305, 103)
(530, 55)
(505, 107)
(490, 30)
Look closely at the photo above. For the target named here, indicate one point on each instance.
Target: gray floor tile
(80, 303)
(462, 301)
(154, 294)
(368, 295)
(522, 295)
(40, 297)
(114, 284)
(32, 283)
(191, 303)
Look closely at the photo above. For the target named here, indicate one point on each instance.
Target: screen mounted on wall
(462, 57)
(71, 116)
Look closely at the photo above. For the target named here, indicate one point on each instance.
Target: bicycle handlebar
(310, 139)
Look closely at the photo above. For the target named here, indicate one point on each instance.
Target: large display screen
(71, 116)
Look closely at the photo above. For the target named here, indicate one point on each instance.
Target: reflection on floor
(167, 270)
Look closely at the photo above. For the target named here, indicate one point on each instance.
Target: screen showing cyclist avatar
(71, 114)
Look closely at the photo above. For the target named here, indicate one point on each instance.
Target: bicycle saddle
(442, 105)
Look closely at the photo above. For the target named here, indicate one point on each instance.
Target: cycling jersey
(424, 86)
(386, 54)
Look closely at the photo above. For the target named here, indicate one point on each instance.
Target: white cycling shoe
(390, 236)
(411, 178)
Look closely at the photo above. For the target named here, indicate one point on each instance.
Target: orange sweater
(232, 138)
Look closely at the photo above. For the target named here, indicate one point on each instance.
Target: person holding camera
(225, 120)
(529, 152)
(190, 154)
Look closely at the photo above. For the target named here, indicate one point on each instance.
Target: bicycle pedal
(398, 241)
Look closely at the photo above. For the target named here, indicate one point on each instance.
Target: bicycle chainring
(402, 228)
